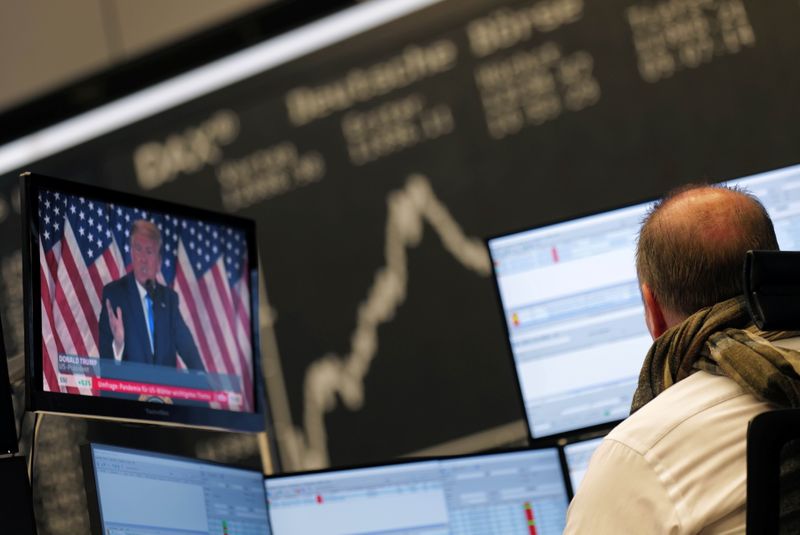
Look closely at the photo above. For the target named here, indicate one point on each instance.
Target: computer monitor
(573, 311)
(139, 309)
(137, 492)
(577, 455)
(574, 318)
(492, 494)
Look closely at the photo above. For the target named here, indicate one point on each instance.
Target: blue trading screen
(573, 310)
(512, 492)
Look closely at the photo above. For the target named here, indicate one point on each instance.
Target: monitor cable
(37, 421)
(20, 423)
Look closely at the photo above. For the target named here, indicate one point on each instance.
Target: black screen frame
(90, 479)
(39, 400)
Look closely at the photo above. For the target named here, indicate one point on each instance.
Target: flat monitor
(492, 494)
(573, 311)
(134, 492)
(577, 455)
(139, 309)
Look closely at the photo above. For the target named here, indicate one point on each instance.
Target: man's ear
(653, 312)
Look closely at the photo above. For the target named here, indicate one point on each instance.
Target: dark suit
(171, 335)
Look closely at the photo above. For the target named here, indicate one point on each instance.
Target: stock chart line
(332, 375)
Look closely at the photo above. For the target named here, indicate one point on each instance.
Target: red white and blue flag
(84, 245)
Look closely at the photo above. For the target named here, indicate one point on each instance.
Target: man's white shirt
(676, 466)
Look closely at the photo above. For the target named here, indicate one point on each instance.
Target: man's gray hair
(146, 228)
(695, 259)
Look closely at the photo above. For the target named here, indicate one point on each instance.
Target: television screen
(491, 494)
(573, 311)
(139, 309)
(137, 492)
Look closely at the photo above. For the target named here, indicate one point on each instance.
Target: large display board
(376, 162)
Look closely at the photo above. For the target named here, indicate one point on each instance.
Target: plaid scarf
(722, 340)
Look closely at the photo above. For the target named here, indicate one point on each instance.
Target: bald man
(677, 464)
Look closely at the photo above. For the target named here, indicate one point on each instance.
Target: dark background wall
(376, 166)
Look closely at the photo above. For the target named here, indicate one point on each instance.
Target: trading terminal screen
(573, 310)
(139, 493)
(513, 492)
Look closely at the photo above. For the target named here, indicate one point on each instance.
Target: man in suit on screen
(140, 319)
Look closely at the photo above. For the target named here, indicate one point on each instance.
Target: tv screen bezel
(39, 400)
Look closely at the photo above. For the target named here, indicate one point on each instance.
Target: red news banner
(128, 387)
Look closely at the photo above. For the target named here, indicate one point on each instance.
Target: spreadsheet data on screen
(512, 492)
(141, 493)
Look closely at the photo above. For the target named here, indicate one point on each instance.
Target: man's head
(691, 248)
(145, 250)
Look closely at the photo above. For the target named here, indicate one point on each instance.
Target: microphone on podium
(154, 292)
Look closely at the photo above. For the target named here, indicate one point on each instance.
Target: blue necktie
(149, 302)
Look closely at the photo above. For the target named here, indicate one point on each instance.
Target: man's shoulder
(167, 297)
(789, 343)
(698, 404)
(692, 439)
(117, 285)
(166, 290)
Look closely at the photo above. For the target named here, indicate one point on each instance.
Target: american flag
(84, 245)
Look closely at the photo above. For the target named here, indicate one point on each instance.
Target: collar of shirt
(142, 290)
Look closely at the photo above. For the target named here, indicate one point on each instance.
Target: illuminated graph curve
(332, 375)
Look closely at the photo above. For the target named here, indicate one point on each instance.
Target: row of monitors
(573, 311)
(147, 310)
(525, 491)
